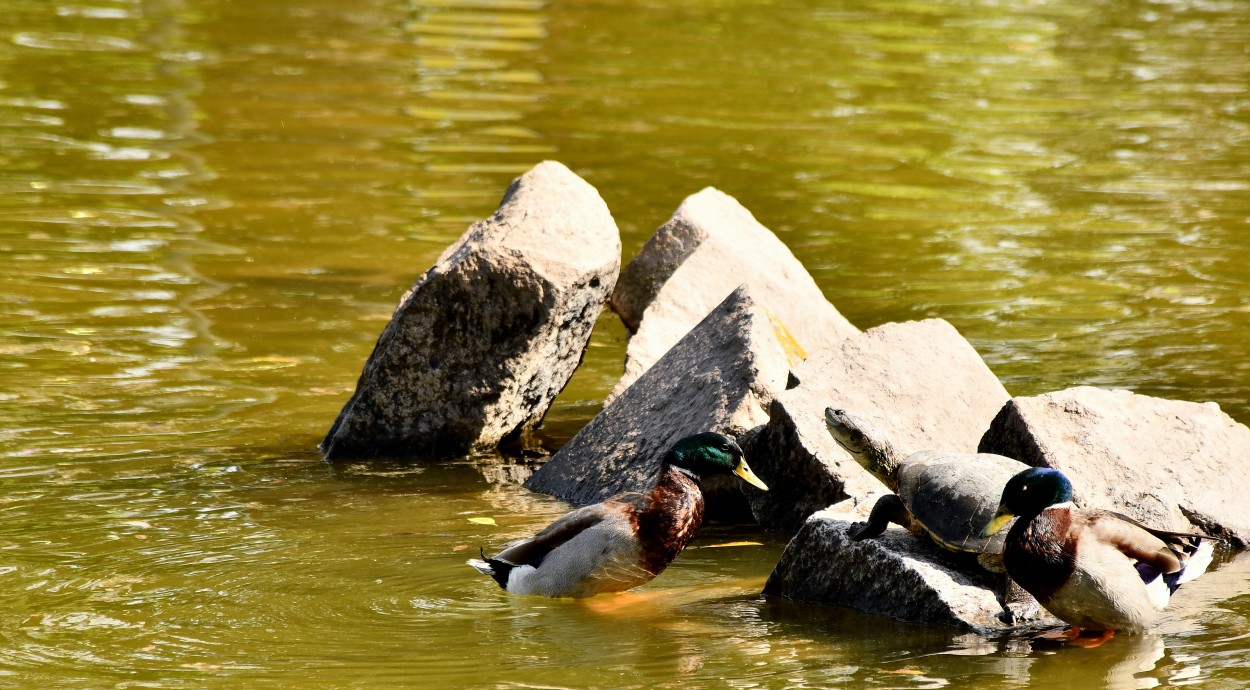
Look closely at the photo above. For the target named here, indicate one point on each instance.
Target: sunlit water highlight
(208, 210)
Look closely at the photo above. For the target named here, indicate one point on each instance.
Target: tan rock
(709, 247)
(919, 382)
(479, 347)
(895, 574)
(720, 377)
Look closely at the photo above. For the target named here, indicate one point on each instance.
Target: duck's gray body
(586, 552)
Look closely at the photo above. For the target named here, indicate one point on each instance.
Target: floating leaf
(482, 520)
(459, 547)
(734, 543)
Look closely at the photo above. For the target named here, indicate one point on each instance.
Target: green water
(208, 209)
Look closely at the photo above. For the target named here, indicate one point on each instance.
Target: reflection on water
(208, 210)
(100, 326)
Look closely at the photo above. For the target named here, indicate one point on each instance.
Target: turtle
(948, 496)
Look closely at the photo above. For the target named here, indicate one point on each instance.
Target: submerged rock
(710, 246)
(479, 347)
(919, 382)
(720, 377)
(1168, 463)
(895, 574)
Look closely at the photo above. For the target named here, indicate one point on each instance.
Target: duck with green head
(628, 539)
(1096, 570)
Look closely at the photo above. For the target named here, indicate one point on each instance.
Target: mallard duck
(1096, 570)
(628, 539)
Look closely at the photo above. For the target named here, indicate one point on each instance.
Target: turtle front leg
(1018, 605)
(889, 508)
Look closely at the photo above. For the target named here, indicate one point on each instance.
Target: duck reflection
(699, 630)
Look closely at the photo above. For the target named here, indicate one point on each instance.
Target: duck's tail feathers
(1197, 564)
(1195, 552)
(493, 567)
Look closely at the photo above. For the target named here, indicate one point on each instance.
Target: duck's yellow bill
(998, 522)
(744, 470)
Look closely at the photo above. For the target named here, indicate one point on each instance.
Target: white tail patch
(1197, 563)
(481, 566)
(1158, 593)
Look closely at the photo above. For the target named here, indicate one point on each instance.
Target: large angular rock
(895, 574)
(479, 347)
(720, 377)
(1168, 463)
(920, 382)
(709, 247)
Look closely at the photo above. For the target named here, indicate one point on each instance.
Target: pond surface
(209, 208)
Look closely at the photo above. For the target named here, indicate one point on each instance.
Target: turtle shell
(954, 495)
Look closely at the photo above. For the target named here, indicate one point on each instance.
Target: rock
(720, 377)
(479, 347)
(709, 247)
(895, 574)
(1170, 464)
(919, 382)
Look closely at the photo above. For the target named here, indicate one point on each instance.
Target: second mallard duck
(626, 540)
(1094, 569)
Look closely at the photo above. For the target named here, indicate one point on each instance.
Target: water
(208, 210)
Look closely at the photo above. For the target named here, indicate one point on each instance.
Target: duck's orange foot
(621, 602)
(1068, 634)
(1055, 638)
(1091, 640)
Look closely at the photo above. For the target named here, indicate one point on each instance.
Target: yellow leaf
(482, 520)
(735, 543)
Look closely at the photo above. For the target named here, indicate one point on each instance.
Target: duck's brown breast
(668, 520)
(1041, 554)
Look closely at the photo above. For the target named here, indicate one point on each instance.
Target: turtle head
(712, 453)
(1029, 493)
(869, 448)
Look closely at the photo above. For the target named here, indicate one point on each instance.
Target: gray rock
(710, 246)
(720, 377)
(1168, 463)
(479, 347)
(919, 382)
(895, 574)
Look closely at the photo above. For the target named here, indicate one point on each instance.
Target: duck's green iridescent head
(712, 453)
(1029, 493)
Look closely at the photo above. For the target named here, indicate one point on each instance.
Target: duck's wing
(1134, 540)
(533, 550)
(1167, 535)
(1164, 559)
(1184, 544)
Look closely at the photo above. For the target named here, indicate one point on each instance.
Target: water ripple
(74, 42)
(204, 223)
